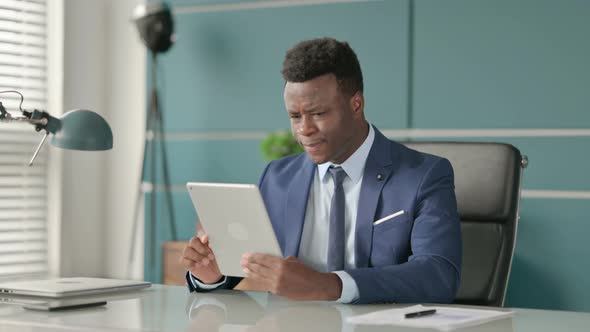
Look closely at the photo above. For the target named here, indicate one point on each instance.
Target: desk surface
(171, 308)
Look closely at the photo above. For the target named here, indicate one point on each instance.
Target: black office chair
(487, 184)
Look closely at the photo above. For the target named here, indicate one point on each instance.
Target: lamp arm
(40, 121)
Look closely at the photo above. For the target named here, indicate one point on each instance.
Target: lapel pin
(379, 177)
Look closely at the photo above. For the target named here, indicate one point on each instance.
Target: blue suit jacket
(415, 257)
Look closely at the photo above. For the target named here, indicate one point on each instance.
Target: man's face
(323, 120)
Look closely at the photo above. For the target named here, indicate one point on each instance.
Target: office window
(23, 189)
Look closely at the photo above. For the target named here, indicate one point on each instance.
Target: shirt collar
(355, 164)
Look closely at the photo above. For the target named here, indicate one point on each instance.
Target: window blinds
(23, 189)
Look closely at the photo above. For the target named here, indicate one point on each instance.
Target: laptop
(66, 287)
(235, 219)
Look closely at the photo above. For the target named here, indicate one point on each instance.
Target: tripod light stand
(155, 25)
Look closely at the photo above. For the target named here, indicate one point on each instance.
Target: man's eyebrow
(314, 109)
(309, 110)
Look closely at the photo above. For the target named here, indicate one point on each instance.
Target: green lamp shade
(82, 130)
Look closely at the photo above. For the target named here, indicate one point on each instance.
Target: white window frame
(55, 82)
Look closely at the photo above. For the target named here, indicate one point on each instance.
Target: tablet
(235, 219)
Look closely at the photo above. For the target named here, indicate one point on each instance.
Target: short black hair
(316, 57)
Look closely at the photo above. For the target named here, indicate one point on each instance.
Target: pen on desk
(420, 313)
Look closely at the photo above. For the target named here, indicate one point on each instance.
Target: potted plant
(279, 144)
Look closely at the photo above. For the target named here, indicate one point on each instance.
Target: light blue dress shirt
(313, 249)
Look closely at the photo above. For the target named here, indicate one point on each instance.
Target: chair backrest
(487, 185)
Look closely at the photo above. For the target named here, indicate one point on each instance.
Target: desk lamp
(75, 130)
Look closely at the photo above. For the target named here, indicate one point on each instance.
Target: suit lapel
(378, 169)
(296, 206)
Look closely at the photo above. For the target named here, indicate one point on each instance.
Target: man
(359, 218)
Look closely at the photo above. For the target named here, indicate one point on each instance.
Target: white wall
(104, 70)
(84, 173)
(126, 103)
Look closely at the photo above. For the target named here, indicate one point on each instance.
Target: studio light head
(155, 25)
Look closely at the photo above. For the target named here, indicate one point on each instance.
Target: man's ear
(357, 103)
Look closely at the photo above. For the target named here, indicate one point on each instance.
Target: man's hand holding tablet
(198, 258)
(288, 277)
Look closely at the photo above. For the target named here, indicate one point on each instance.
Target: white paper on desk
(445, 318)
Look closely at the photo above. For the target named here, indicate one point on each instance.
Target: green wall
(428, 64)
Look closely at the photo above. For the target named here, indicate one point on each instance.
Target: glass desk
(172, 308)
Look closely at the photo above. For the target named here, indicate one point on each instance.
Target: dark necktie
(336, 243)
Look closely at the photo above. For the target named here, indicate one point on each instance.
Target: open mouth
(312, 147)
